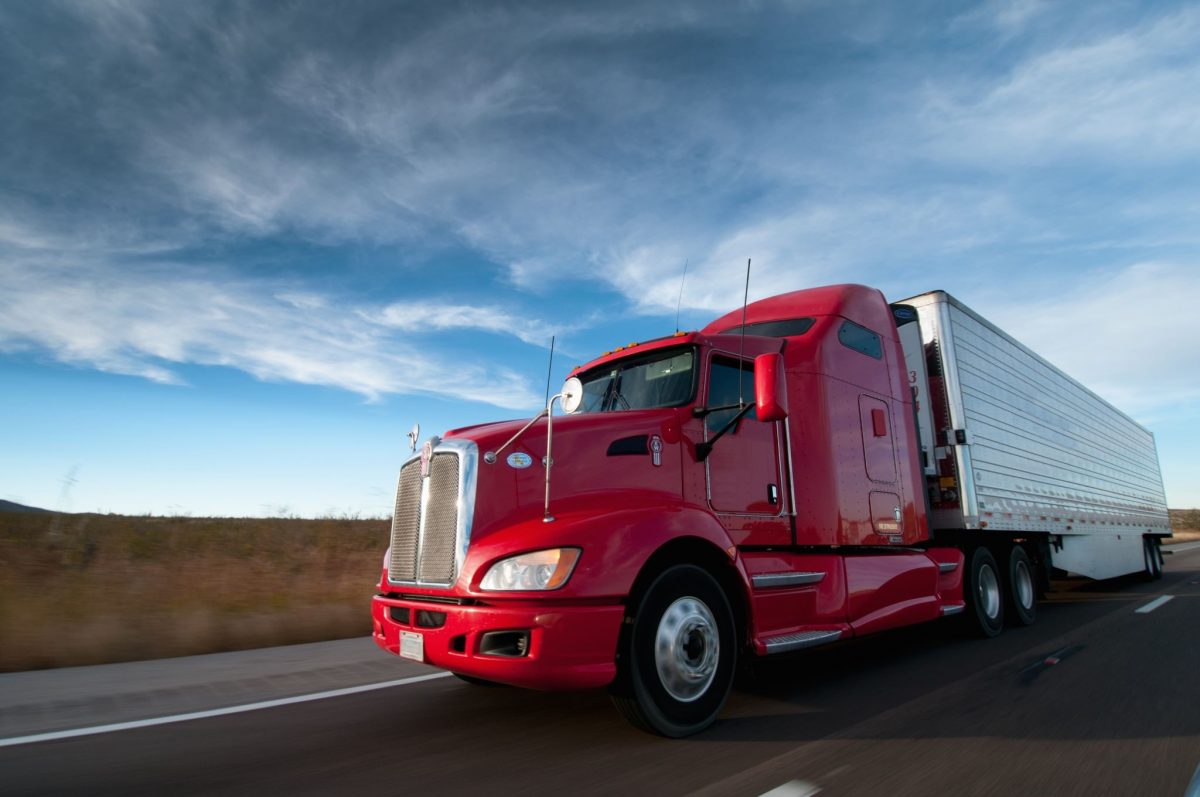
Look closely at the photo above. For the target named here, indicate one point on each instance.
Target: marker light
(537, 570)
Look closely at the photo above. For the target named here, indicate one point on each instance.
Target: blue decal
(519, 460)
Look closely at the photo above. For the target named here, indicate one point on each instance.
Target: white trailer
(1013, 446)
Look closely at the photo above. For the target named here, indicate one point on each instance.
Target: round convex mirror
(572, 395)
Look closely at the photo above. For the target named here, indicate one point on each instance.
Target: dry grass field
(89, 589)
(1185, 524)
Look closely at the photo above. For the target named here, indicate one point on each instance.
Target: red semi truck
(816, 466)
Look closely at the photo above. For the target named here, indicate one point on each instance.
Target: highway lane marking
(1193, 789)
(794, 788)
(1154, 604)
(1030, 673)
(216, 712)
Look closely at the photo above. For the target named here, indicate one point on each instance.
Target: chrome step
(798, 641)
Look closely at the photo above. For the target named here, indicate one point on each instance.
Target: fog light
(507, 644)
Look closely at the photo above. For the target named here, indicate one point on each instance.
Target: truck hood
(598, 458)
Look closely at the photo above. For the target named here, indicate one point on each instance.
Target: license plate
(412, 646)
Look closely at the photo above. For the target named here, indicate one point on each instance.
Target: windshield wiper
(700, 412)
(613, 393)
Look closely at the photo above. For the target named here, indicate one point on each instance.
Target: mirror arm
(700, 412)
(490, 456)
(704, 449)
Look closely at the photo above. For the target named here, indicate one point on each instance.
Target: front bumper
(569, 646)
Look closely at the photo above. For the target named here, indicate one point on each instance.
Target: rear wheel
(1020, 589)
(678, 661)
(985, 607)
(1153, 558)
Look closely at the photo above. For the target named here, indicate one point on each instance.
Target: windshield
(663, 379)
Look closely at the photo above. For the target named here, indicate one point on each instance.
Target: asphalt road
(1096, 699)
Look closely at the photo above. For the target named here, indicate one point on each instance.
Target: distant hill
(12, 506)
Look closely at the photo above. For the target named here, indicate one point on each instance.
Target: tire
(1021, 588)
(984, 597)
(679, 659)
(1152, 557)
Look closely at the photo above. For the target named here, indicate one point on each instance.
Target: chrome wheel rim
(686, 649)
(988, 592)
(1023, 585)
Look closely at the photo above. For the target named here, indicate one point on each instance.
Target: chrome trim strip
(949, 610)
(804, 639)
(775, 580)
(791, 471)
(947, 567)
(421, 523)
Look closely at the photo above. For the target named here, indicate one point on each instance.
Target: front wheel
(678, 661)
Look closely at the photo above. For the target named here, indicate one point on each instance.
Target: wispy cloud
(1119, 90)
(601, 148)
(1128, 333)
(427, 316)
(147, 321)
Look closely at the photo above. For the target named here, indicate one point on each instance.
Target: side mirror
(572, 395)
(770, 387)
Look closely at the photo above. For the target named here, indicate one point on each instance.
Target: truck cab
(748, 489)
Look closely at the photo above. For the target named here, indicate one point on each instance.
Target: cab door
(743, 469)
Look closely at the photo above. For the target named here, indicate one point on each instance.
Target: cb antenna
(679, 303)
(549, 368)
(742, 345)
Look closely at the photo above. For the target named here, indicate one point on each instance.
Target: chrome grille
(426, 524)
(406, 524)
(441, 521)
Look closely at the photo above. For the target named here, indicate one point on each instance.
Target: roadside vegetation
(1185, 524)
(91, 589)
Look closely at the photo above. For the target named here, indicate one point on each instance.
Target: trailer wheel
(1153, 559)
(679, 659)
(985, 603)
(1020, 589)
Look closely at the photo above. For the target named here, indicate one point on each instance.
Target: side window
(861, 339)
(723, 391)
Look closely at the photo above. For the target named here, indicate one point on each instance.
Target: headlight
(538, 570)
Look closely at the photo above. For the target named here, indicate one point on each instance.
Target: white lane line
(1154, 604)
(1193, 789)
(793, 788)
(216, 712)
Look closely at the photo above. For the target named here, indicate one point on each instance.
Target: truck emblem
(519, 460)
(656, 447)
(426, 458)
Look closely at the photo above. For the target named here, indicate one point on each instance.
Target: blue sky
(245, 246)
